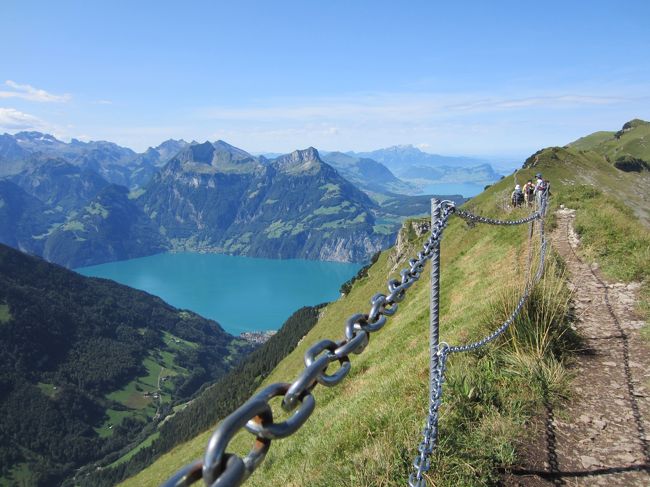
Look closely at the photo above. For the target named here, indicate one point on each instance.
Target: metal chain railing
(220, 468)
(422, 462)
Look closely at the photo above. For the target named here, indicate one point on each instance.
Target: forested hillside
(87, 365)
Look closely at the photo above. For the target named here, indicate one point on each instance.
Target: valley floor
(599, 436)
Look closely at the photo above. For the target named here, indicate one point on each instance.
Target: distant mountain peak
(171, 144)
(300, 156)
(36, 136)
(235, 152)
(300, 161)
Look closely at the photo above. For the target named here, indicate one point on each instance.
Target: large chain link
(222, 469)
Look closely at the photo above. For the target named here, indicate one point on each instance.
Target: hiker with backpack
(529, 192)
(517, 197)
(542, 186)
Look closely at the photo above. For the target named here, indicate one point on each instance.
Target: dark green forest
(76, 352)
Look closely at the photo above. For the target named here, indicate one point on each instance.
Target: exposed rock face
(406, 236)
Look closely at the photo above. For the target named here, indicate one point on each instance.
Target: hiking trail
(599, 436)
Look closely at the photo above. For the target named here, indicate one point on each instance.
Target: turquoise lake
(241, 293)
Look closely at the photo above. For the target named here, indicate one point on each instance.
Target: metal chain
(422, 462)
(220, 468)
(466, 215)
(530, 284)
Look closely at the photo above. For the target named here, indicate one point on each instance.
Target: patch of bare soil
(599, 436)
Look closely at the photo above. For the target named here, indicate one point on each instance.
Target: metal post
(434, 337)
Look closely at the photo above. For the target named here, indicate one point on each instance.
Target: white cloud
(103, 102)
(12, 119)
(28, 92)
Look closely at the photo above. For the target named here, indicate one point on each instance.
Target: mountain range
(83, 203)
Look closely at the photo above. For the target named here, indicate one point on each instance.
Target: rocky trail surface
(599, 437)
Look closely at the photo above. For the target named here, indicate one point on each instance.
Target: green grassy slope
(365, 430)
(632, 140)
(566, 166)
(590, 141)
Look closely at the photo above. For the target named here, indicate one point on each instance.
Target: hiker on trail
(529, 192)
(517, 197)
(542, 186)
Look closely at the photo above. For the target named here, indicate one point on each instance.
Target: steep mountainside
(13, 158)
(22, 217)
(212, 403)
(60, 185)
(94, 361)
(217, 197)
(366, 430)
(110, 227)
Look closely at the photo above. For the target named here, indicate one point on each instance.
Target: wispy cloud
(28, 92)
(399, 107)
(557, 101)
(12, 119)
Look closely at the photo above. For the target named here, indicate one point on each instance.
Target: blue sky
(500, 78)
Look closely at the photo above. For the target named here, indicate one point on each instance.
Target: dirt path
(599, 436)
